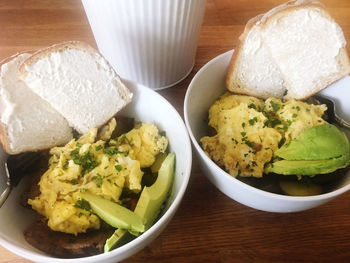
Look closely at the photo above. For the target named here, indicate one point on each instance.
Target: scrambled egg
(249, 130)
(97, 164)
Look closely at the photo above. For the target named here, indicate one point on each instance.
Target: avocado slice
(320, 142)
(321, 149)
(150, 201)
(114, 214)
(308, 167)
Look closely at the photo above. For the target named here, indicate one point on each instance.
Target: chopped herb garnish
(252, 106)
(86, 160)
(253, 121)
(298, 108)
(118, 167)
(83, 204)
(112, 151)
(294, 115)
(65, 166)
(243, 125)
(162, 133)
(98, 147)
(307, 110)
(249, 143)
(275, 106)
(98, 180)
(124, 139)
(243, 134)
(79, 144)
(74, 181)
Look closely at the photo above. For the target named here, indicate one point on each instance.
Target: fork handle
(4, 195)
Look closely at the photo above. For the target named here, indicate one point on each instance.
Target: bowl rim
(221, 172)
(156, 228)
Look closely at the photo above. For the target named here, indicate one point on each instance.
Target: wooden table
(208, 227)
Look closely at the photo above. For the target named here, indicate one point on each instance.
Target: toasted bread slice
(296, 48)
(27, 122)
(78, 82)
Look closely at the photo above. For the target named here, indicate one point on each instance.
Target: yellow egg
(249, 130)
(91, 164)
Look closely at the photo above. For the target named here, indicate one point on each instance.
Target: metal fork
(16, 167)
(331, 112)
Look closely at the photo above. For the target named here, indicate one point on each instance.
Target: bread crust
(4, 133)
(262, 21)
(54, 48)
(125, 93)
(230, 75)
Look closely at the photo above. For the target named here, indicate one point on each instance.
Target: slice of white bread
(295, 50)
(78, 82)
(27, 122)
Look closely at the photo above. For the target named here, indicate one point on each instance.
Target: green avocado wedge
(321, 149)
(153, 197)
(150, 202)
(309, 167)
(114, 214)
(320, 142)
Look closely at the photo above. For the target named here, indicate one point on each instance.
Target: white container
(152, 42)
(206, 86)
(146, 106)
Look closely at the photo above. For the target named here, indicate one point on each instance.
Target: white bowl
(146, 106)
(206, 86)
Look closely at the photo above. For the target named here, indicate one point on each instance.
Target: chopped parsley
(74, 181)
(98, 180)
(124, 139)
(118, 167)
(98, 147)
(243, 134)
(86, 160)
(162, 133)
(253, 121)
(83, 204)
(243, 125)
(249, 143)
(113, 151)
(275, 106)
(252, 106)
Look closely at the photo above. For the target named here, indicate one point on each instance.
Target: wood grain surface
(208, 227)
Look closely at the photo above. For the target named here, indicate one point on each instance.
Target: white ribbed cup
(152, 42)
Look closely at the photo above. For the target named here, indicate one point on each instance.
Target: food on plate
(250, 130)
(27, 122)
(253, 137)
(97, 179)
(263, 133)
(318, 150)
(151, 200)
(102, 167)
(90, 185)
(292, 51)
(77, 82)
